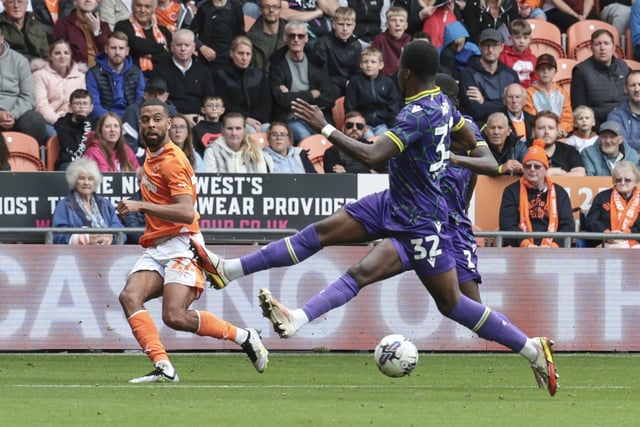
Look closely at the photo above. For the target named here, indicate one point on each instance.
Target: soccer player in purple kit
(413, 211)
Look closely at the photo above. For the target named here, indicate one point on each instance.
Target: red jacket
(522, 63)
(69, 28)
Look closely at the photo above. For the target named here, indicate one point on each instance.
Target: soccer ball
(396, 356)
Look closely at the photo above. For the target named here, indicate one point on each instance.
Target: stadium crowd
(75, 73)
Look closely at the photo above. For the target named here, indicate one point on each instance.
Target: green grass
(316, 390)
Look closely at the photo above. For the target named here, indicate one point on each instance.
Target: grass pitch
(334, 389)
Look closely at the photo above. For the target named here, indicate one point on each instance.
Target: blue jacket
(66, 216)
(595, 161)
(111, 91)
(630, 124)
(450, 61)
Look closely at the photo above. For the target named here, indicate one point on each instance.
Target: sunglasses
(532, 166)
(350, 125)
(622, 180)
(293, 36)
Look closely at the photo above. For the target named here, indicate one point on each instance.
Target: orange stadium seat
(337, 112)
(259, 138)
(53, 151)
(579, 38)
(633, 65)
(248, 22)
(316, 145)
(546, 38)
(24, 152)
(563, 76)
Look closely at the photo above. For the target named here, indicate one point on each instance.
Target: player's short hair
(345, 13)
(397, 11)
(371, 51)
(520, 27)
(82, 165)
(151, 102)
(421, 57)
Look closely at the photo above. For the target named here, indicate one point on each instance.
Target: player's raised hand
(311, 114)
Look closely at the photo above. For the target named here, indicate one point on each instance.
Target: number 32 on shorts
(426, 247)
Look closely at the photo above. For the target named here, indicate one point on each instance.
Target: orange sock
(145, 331)
(212, 326)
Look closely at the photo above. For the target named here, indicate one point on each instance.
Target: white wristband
(327, 130)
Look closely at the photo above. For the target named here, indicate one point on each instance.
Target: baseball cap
(611, 126)
(491, 34)
(546, 59)
(157, 85)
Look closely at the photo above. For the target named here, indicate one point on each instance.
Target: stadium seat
(563, 76)
(259, 138)
(316, 145)
(248, 22)
(579, 38)
(546, 38)
(24, 152)
(633, 65)
(53, 151)
(337, 112)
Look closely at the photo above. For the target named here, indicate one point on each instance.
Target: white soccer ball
(396, 356)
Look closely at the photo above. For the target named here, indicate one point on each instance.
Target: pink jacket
(53, 90)
(97, 155)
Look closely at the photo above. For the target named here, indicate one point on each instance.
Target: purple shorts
(424, 247)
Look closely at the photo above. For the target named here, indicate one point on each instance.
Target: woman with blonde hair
(108, 148)
(234, 151)
(54, 81)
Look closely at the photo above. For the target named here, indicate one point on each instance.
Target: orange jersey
(166, 173)
(169, 16)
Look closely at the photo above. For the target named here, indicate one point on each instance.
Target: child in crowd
(172, 14)
(210, 128)
(436, 15)
(531, 9)
(74, 129)
(339, 50)
(456, 50)
(584, 120)
(393, 39)
(518, 56)
(546, 95)
(373, 94)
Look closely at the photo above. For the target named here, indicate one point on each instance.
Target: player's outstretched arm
(480, 160)
(463, 139)
(181, 211)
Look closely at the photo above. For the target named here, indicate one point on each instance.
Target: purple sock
(336, 294)
(284, 252)
(488, 324)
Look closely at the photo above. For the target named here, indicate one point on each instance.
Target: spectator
(616, 13)
(634, 26)
(267, 34)
(628, 112)
(74, 129)
(181, 135)
(598, 81)
(391, 41)
(4, 155)
(519, 120)
(234, 151)
(148, 41)
(532, 9)
(315, 13)
(54, 82)
(114, 11)
(172, 15)
(435, 16)
(156, 88)
(24, 33)
(583, 123)
(611, 148)
(214, 41)
(244, 89)
(478, 15)
(484, 80)
(373, 94)
(83, 207)
(565, 13)
(339, 50)
(544, 94)
(507, 149)
(189, 82)
(108, 149)
(49, 13)
(84, 32)
(615, 210)
(288, 81)
(209, 128)
(369, 18)
(17, 95)
(518, 56)
(114, 82)
(281, 156)
(535, 202)
(336, 160)
(456, 51)
(563, 159)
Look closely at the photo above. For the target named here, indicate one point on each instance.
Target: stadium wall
(65, 298)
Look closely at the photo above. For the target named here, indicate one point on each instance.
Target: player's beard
(154, 141)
